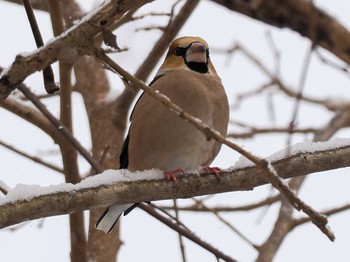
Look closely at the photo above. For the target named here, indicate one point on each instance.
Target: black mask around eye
(195, 66)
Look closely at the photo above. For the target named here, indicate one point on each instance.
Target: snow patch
(308, 147)
(23, 192)
(26, 192)
(304, 147)
(242, 162)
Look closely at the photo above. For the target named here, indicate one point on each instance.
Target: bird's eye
(178, 51)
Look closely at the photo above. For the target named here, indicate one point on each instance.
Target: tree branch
(67, 47)
(68, 152)
(186, 233)
(300, 221)
(79, 197)
(200, 208)
(37, 4)
(300, 16)
(32, 158)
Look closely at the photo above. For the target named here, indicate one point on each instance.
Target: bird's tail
(110, 217)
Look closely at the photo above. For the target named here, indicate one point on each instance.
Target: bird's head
(188, 53)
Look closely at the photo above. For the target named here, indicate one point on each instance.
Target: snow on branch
(28, 202)
(78, 40)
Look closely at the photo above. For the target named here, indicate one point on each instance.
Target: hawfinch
(159, 138)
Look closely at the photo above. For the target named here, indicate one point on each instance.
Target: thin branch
(304, 72)
(34, 117)
(341, 68)
(340, 120)
(68, 152)
(252, 93)
(274, 80)
(186, 233)
(49, 80)
(228, 224)
(171, 18)
(272, 130)
(32, 158)
(37, 4)
(200, 208)
(171, 217)
(276, 53)
(181, 243)
(59, 125)
(329, 212)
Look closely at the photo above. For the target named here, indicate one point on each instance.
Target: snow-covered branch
(119, 187)
(78, 40)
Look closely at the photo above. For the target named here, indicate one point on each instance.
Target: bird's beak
(197, 52)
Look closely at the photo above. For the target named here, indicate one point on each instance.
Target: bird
(157, 137)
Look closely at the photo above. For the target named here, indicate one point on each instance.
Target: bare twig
(165, 212)
(329, 212)
(59, 125)
(303, 76)
(34, 117)
(171, 15)
(228, 224)
(252, 93)
(340, 120)
(49, 80)
(68, 152)
(272, 130)
(276, 53)
(274, 81)
(186, 233)
(181, 243)
(33, 158)
(341, 68)
(200, 208)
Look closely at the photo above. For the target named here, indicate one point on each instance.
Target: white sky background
(145, 238)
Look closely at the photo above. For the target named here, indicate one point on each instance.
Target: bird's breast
(159, 138)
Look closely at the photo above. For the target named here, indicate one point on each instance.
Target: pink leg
(215, 170)
(172, 175)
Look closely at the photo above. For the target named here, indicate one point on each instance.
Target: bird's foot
(215, 170)
(172, 175)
